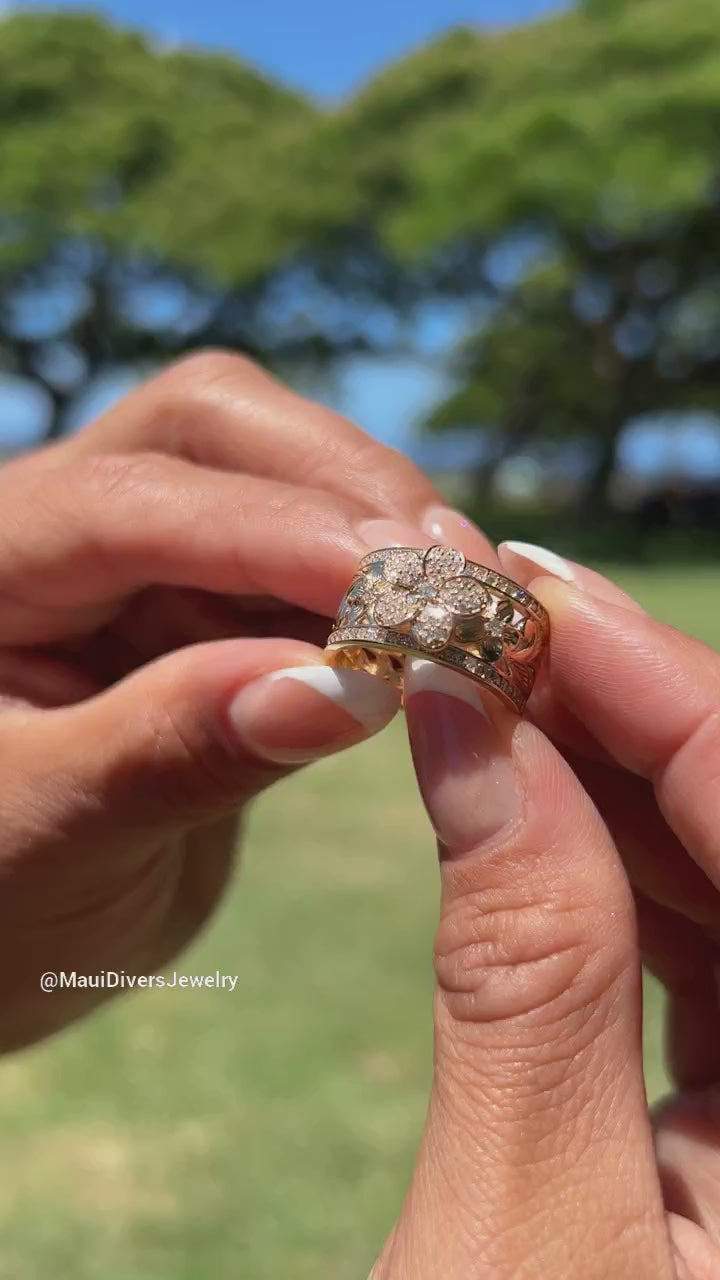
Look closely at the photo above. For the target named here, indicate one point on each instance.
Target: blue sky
(324, 46)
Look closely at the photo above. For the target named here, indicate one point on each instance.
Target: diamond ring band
(434, 603)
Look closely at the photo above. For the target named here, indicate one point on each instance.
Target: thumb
(198, 733)
(538, 1113)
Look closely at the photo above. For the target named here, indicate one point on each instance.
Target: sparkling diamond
(433, 627)
(492, 641)
(442, 563)
(403, 568)
(392, 608)
(464, 596)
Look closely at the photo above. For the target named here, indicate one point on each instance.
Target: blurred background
(488, 230)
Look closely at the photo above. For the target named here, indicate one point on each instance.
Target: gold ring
(433, 603)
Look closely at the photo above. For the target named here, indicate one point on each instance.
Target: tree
(155, 200)
(586, 146)
(150, 202)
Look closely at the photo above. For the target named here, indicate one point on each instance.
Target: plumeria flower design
(434, 595)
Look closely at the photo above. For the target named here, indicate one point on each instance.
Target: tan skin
(201, 534)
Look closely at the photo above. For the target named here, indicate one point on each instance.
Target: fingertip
(560, 597)
(523, 560)
(571, 607)
(528, 563)
(445, 525)
(298, 714)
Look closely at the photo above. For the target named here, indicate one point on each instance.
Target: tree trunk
(595, 498)
(58, 414)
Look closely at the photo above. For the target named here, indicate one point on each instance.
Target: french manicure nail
(525, 561)
(525, 557)
(462, 755)
(298, 714)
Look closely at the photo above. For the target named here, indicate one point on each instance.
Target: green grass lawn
(265, 1134)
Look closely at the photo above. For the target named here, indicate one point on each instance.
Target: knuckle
(198, 384)
(372, 468)
(688, 784)
(196, 379)
(358, 460)
(213, 364)
(513, 955)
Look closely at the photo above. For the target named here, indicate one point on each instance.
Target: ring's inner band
(387, 664)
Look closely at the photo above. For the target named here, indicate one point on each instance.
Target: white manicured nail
(510, 553)
(422, 676)
(301, 713)
(524, 561)
(462, 757)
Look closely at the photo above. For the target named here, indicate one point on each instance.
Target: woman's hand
(157, 572)
(635, 707)
(539, 1158)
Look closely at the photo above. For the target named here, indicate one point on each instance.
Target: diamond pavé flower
(429, 597)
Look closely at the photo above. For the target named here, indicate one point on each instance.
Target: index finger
(224, 411)
(89, 534)
(649, 694)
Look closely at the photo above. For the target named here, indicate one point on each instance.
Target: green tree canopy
(150, 201)
(185, 199)
(589, 142)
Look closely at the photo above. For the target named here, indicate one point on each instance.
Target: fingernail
(525, 557)
(391, 533)
(462, 754)
(301, 713)
(443, 524)
(524, 561)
